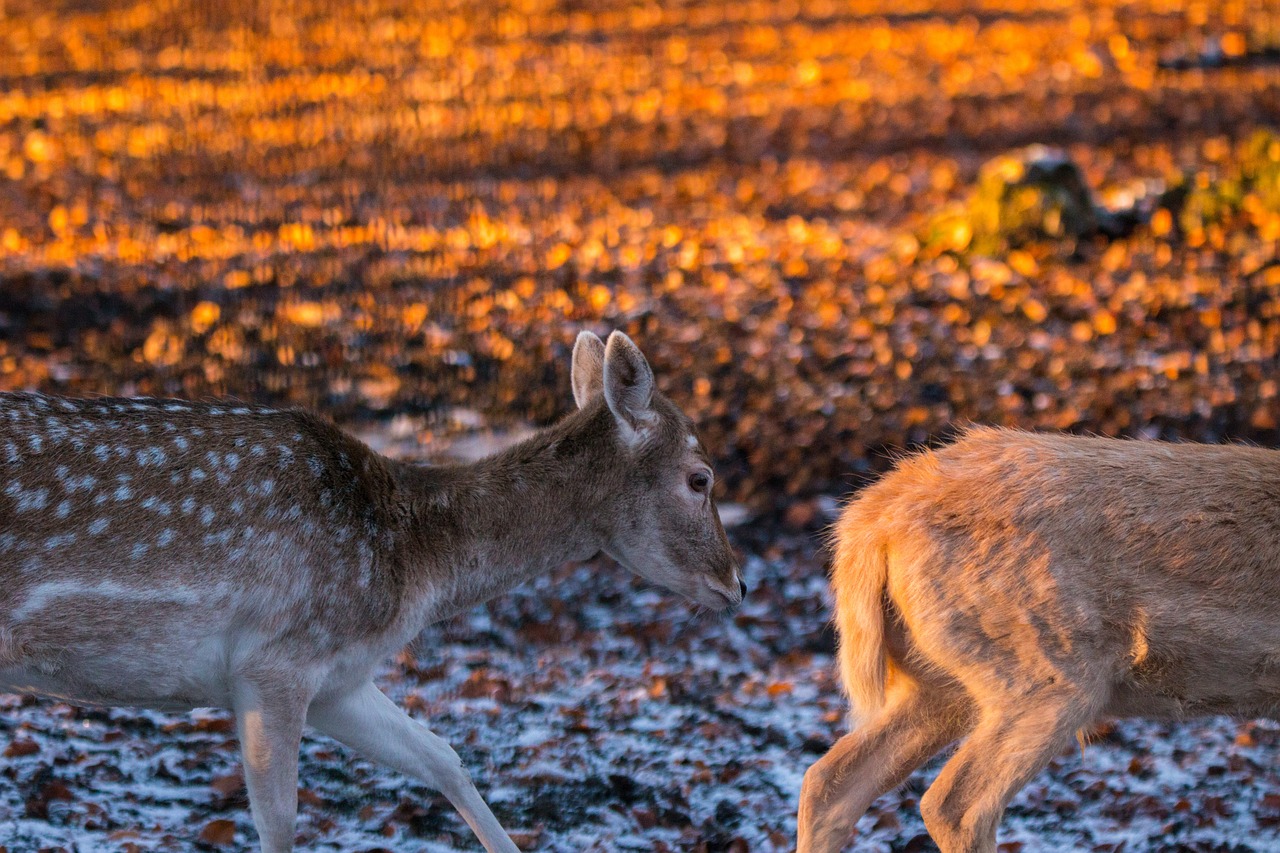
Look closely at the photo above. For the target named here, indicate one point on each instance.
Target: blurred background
(838, 228)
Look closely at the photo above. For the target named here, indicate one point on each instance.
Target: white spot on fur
(99, 526)
(180, 442)
(692, 441)
(316, 467)
(207, 515)
(11, 453)
(188, 505)
(27, 499)
(43, 594)
(37, 442)
(55, 542)
(222, 537)
(160, 506)
(123, 493)
(140, 550)
(166, 536)
(64, 509)
(151, 456)
(233, 460)
(198, 474)
(102, 452)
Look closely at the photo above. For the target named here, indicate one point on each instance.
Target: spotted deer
(172, 554)
(1012, 588)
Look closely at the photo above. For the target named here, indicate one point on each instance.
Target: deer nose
(742, 587)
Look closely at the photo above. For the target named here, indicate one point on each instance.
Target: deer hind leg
(1010, 745)
(370, 723)
(269, 721)
(916, 722)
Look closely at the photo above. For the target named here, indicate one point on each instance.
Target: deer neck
(475, 531)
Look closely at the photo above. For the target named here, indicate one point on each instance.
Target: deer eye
(700, 481)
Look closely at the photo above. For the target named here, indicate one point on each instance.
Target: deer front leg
(269, 722)
(370, 723)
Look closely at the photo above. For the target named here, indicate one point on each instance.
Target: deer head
(662, 522)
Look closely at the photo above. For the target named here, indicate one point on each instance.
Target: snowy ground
(600, 715)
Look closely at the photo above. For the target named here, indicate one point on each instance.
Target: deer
(171, 555)
(1012, 589)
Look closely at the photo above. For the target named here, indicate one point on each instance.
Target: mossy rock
(1033, 194)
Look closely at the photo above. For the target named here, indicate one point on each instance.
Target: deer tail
(859, 576)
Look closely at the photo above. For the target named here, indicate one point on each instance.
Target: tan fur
(174, 554)
(1012, 588)
(858, 581)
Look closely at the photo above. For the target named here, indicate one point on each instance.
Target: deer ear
(588, 368)
(628, 385)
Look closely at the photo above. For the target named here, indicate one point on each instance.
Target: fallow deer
(1013, 588)
(172, 554)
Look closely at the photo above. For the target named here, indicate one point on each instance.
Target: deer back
(139, 511)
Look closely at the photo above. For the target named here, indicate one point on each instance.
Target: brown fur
(1012, 588)
(174, 554)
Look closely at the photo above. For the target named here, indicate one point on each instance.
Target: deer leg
(269, 723)
(370, 723)
(1007, 749)
(866, 763)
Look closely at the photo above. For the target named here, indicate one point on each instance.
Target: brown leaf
(221, 833)
(309, 798)
(527, 839)
(226, 786)
(21, 747)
